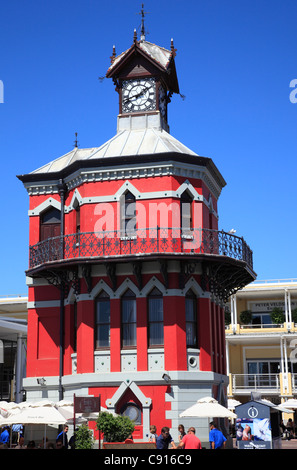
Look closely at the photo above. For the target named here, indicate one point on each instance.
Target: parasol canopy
(207, 407)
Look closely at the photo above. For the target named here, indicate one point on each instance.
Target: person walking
(190, 440)
(5, 436)
(216, 437)
(62, 437)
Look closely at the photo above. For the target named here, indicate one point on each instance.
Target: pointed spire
(76, 141)
(113, 56)
(142, 30)
(173, 50)
(135, 36)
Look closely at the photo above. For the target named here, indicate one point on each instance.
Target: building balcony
(244, 384)
(226, 260)
(140, 242)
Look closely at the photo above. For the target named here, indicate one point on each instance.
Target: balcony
(140, 242)
(226, 259)
(243, 384)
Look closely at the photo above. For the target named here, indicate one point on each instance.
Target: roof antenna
(76, 141)
(142, 31)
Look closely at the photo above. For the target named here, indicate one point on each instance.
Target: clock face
(138, 95)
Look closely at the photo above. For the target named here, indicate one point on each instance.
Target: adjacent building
(261, 341)
(13, 346)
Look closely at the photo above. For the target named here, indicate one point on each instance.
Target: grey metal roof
(125, 143)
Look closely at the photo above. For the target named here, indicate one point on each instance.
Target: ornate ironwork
(141, 241)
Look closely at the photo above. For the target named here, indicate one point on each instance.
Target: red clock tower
(128, 272)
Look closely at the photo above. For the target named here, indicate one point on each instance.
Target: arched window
(50, 224)
(155, 318)
(128, 214)
(128, 302)
(186, 210)
(191, 320)
(102, 321)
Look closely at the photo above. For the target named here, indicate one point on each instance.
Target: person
(216, 437)
(190, 440)
(21, 444)
(4, 437)
(181, 430)
(17, 432)
(59, 445)
(153, 434)
(31, 445)
(72, 440)
(165, 439)
(129, 440)
(62, 437)
(290, 428)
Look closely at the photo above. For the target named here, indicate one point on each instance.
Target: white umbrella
(66, 408)
(290, 403)
(36, 415)
(207, 407)
(233, 403)
(46, 415)
(281, 407)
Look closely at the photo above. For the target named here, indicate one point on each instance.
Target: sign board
(257, 425)
(86, 404)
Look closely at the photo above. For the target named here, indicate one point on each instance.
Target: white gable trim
(49, 202)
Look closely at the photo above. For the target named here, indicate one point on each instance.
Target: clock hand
(135, 96)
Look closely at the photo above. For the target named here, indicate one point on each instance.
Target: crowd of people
(12, 438)
(187, 440)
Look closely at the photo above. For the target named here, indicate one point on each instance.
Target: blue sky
(235, 61)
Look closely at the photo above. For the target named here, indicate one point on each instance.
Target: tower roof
(127, 142)
(161, 58)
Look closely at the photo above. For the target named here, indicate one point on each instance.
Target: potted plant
(227, 317)
(277, 316)
(294, 315)
(114, 428)
(83, 438)
(246, 317)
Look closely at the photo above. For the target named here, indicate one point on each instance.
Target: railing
(294, 383)
(140, 241)
(248, 382)
(261, 325)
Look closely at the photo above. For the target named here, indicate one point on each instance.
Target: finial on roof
(173, 50)
(135, 36)
(113, 56)
(76, 141)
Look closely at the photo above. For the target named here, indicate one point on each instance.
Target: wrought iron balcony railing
(140, 241)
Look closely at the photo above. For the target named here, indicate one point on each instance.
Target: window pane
(128, 322)
(129, 311)
(103, 312)
(155, 319)
(190, 309)
(191, 322)
(103, 336)
(155, 310)
(103, 322)
(191, 335)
